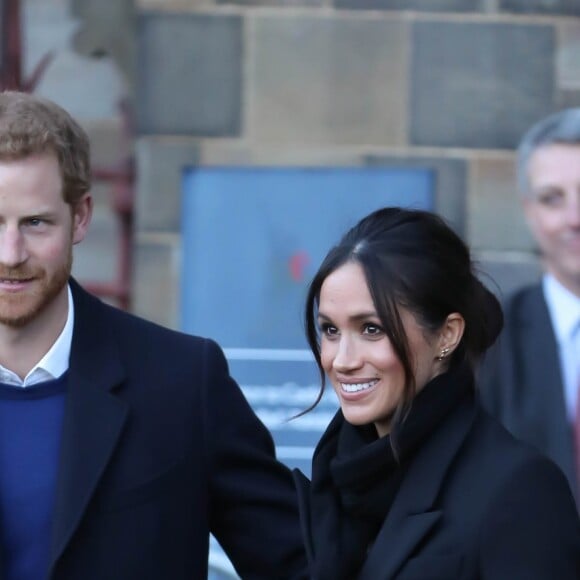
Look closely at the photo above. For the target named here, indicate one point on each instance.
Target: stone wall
(446, 84)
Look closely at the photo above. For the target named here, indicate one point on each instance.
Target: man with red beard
(122, 444)
(531, 382)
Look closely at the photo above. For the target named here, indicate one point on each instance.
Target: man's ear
(81, 213)
(527, 205)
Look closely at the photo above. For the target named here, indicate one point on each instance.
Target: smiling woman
(397, 321)
(360, 360)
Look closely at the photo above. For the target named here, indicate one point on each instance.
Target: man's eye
(550, 198)
(35, 222)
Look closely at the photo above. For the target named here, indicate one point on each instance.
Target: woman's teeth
(356, 387)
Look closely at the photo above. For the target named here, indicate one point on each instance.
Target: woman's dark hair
(411, 259)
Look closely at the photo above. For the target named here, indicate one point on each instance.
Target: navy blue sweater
(30, 430)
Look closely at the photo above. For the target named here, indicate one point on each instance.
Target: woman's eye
(328, 330)
(372, 329)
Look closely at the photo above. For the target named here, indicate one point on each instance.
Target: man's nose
(12, 247)
(573, 210)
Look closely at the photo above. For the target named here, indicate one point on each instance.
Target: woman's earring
(444, 352)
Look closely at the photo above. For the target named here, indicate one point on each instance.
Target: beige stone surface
(96, 257)
(324, 79)
(171, 4)
(495, 219)
(156, 280)
(242, 154)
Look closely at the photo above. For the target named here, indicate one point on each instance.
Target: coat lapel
(413, 513)
(93, 418)
(539, 365)
(302, 485)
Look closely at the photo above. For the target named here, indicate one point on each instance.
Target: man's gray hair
(562, 127)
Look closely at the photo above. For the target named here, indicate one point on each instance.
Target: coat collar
(93, 418)
(414, 512)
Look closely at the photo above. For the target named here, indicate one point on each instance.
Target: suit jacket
(521, 381)
(475, 503)
(159, 447)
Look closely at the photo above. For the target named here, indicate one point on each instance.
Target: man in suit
(530, 380)
(122, 444)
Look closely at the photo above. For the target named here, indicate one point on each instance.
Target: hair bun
(490, 312)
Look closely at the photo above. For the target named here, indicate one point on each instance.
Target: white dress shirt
(564, 309)
(54, 363)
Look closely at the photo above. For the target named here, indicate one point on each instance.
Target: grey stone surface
(328, 80)
(428, 5)
(504, 274)
(566, 99)
(568, 55)
(161, 163)
(156, 281)
(496, 220)
(571, 7)
(88, 88)
(479, 85)
(107, 28)
(189, 74)
(450, 183)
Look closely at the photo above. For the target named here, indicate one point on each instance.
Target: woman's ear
(450, 334)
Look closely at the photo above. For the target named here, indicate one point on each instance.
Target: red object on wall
(297, 264)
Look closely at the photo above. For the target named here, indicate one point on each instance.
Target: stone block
(568, 56)
(156, 281)
(238, 154)
(479, 85)
(277, 3)
(172, 4)
(495, 217)
(427, 5)
(450, 183)
(161, 163)
(504, 273)
(567, 99)
(96, 258)
(189, 74)
(320, 80)
(109, 144)
(570, 7)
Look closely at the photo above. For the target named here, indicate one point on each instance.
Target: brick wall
(445, 84)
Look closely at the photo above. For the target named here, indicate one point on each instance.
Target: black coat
(521, 381)
(159, 448)
(475, 503)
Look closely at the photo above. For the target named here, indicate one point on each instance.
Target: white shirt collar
(564, 308)
(54, 363)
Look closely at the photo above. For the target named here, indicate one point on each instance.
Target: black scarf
(355, 475)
